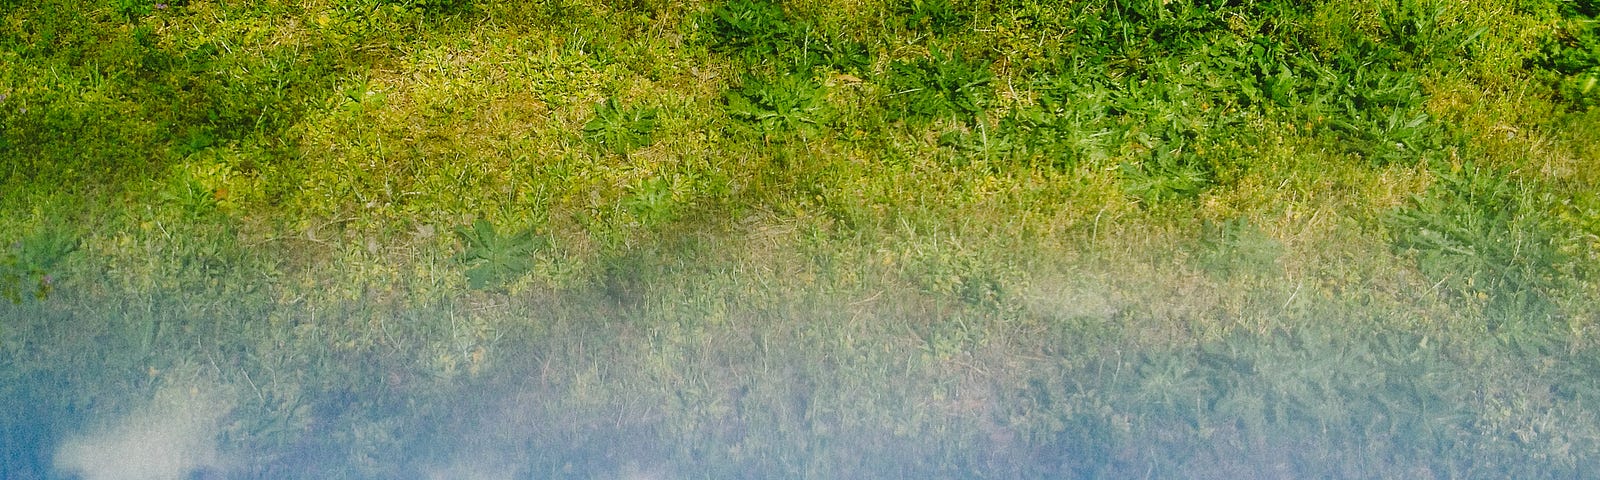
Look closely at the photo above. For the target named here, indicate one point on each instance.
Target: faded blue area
(1297, 404)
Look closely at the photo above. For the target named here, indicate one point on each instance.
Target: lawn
(647, 239)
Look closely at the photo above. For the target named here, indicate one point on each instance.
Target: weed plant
(620, 130)
(1477, 233)
(761, 34)
(1571, 54)
(940, 86)
(787, 106)
(27, 268)
(938, 16)
(1237, 247)
(495, 258)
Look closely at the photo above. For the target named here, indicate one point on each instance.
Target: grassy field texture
(804, 239)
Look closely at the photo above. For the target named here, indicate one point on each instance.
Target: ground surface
(806, 239)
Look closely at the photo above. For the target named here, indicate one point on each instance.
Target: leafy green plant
(1484, 238)
(1167, 174)
(1364, 92)
(132, 10)
(760, 32)
(941, 85)
(433, 6)
(1380, 115)
(1581, 90)
(820, 49)
(5, 140)
(196, 189)
(980, 144)
(1420, 29)
(1131, 27)
(494, 258)
(651, 201)
(1365, 97)
(1571, 55)
(751, 28)
(958, 272)
(781, 107)
(620, 130)
(938, 16)
(1062, 138)
(1237, 246)
(1071, 117)
(26, 268)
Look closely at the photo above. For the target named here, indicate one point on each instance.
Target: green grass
(809, 238)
